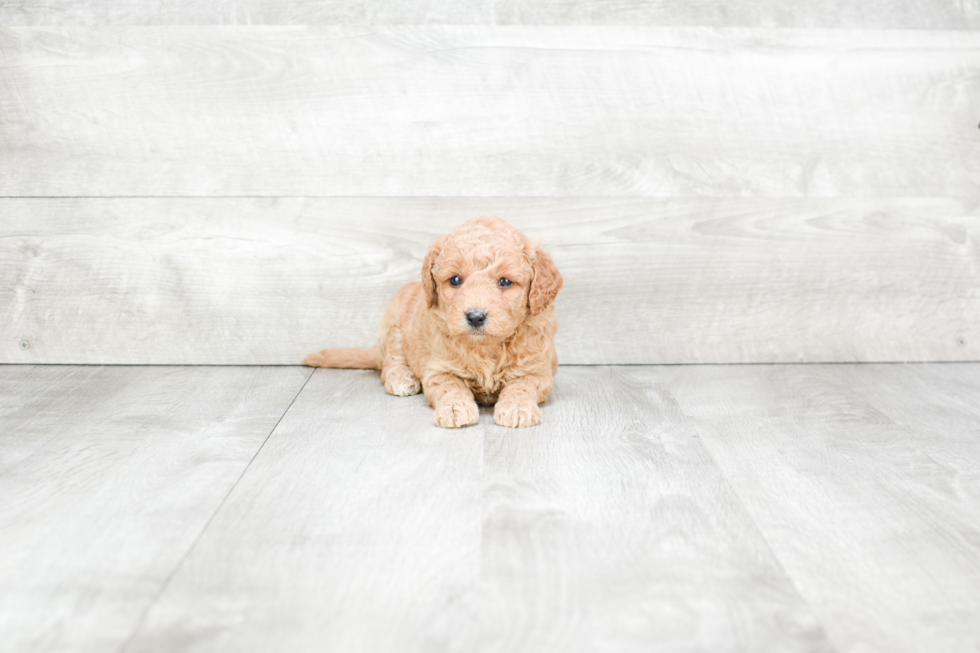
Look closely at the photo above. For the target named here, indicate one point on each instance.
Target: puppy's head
(485, 277)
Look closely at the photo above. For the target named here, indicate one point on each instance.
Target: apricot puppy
(478, 328)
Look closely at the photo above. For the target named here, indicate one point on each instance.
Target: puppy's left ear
(545, 283)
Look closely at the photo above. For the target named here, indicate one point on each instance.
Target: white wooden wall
(245, 182)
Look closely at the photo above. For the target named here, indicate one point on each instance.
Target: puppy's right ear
(428, 281)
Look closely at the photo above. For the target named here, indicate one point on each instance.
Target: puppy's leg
(395, 372)
(399, 380)
(517, 405)
(452, 400)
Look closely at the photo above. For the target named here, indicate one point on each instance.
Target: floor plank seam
(163, 586)
(762, 536)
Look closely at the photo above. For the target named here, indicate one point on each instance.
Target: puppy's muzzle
(476, 319)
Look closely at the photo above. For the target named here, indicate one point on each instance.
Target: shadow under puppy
(478, 328)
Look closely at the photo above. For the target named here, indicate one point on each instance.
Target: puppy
(478, 328)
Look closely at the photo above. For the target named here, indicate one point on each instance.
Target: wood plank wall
(245, 182)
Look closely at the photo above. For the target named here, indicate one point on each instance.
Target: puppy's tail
(355, 358)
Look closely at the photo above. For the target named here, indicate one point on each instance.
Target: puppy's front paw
(402, 383)
(454, 414)
(516, 414)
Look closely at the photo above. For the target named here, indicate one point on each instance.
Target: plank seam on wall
(917, 79)
(445, 111)
(898, 14)
(258, 281)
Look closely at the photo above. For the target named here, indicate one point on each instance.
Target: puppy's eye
(456, 281)
(505, 283)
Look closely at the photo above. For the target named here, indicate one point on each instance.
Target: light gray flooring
(670, 508)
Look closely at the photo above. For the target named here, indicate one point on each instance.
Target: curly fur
(426, 344)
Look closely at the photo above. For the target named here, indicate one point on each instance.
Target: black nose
(476, 318)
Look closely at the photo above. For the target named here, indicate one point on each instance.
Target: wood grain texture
(610, 528)
(358, 533)
(488, 111)
(266, 281)
(107, 478)
(914, 14)
(737, 508)
(863, 481)
(360, 527)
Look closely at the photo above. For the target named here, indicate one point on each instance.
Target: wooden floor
(678, 508)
